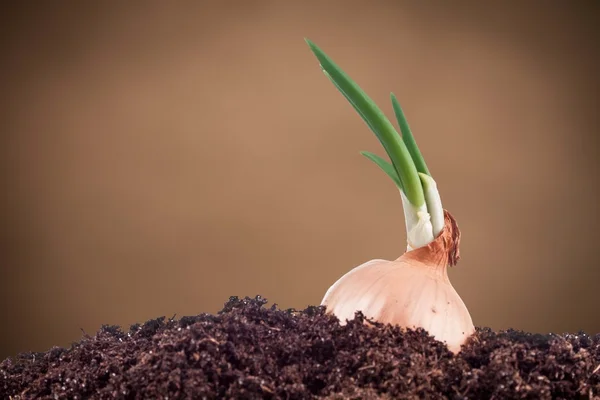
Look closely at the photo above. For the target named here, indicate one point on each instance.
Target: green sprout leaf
(379, 124)
(385, 167)
(351, 102)
(408, 139)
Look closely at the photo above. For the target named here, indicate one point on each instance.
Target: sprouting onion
(414, 290)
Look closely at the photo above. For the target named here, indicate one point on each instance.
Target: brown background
(158, 159)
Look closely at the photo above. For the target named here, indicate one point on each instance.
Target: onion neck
(425, 222)
(443, 251)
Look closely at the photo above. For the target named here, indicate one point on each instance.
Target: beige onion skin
(413, 291)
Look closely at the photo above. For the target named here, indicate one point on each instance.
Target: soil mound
(250, 351)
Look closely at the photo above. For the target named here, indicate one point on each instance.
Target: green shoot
(358, 110)
(434, 203)
(384, 130)
(380, 160)
(408, 138)
(385, 167)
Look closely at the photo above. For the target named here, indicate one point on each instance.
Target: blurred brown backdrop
(157, 159)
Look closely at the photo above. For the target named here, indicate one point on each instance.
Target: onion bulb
(412, 291)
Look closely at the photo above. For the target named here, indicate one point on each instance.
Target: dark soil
(249, 351)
